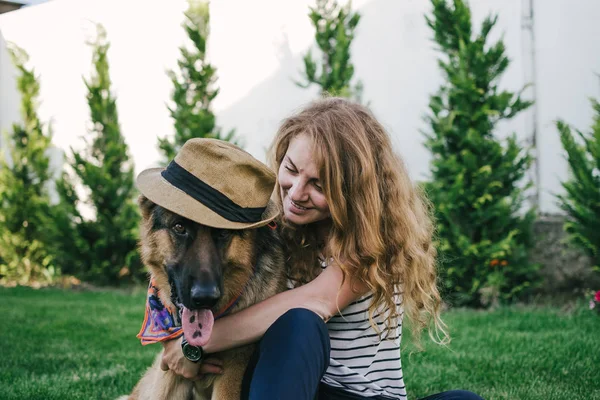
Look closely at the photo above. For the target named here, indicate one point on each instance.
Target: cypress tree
(24, 179)
(477, 184)
(105, 248)
(581, 201)
(193, 87)
(335, 27)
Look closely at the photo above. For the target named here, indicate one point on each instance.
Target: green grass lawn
(81, 345)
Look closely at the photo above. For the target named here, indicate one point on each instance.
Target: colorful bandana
(160, 323)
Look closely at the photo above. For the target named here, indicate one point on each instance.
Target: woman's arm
(323, 295)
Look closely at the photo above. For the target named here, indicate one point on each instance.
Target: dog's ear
(146, 206)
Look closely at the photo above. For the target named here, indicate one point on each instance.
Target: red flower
(494, 262)
(597, 297)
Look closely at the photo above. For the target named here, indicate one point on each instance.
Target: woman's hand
(174, 360)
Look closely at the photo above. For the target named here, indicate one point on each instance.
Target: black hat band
(209, 196)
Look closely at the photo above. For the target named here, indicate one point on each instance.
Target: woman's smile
(301, 190)
(297, 208)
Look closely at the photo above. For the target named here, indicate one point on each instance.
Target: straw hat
(214, 183)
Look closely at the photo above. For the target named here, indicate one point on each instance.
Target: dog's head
(194, 257)
(189, 261)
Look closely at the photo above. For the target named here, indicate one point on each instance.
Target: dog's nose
(205, 295)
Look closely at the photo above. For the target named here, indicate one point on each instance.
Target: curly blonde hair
(381, 232)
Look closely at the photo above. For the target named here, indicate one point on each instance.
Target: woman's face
(301, 191)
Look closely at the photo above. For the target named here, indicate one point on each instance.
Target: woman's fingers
(193, 371)
(213, 361)
(211, 366)
(163, 365)
(210, 369)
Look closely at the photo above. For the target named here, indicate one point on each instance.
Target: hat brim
(151, 184)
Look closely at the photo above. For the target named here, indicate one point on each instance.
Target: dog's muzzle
(205, 295)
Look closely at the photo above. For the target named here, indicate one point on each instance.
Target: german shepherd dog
(203, 269)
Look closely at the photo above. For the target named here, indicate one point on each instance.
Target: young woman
(359, 235)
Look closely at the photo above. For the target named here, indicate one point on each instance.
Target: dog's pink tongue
(197, 326)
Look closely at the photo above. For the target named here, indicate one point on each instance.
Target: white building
(257, 47)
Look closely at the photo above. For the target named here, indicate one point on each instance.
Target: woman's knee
(291, 358)
(299, 320)
(298, 326)
(301, 316)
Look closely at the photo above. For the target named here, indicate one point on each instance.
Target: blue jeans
(292, 357)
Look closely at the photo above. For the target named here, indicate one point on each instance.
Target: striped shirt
(363, 361)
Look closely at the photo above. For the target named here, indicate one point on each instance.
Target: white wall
(257, 48)
(568, 64)
(144, 39)
(9, 104)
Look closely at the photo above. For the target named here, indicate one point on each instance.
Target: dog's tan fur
(253, 262)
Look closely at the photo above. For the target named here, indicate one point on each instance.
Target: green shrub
(193, 87)
(102, 250)
(24, 179)
(334, 32)
(581, 200)
(477, 184)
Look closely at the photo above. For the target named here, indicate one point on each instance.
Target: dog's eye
(179, 229)
(221, 235)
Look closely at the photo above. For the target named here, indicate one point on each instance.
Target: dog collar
(223, 311)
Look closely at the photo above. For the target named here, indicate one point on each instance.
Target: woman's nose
(298, 192)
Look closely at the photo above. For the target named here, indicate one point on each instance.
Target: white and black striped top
(362, 362)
